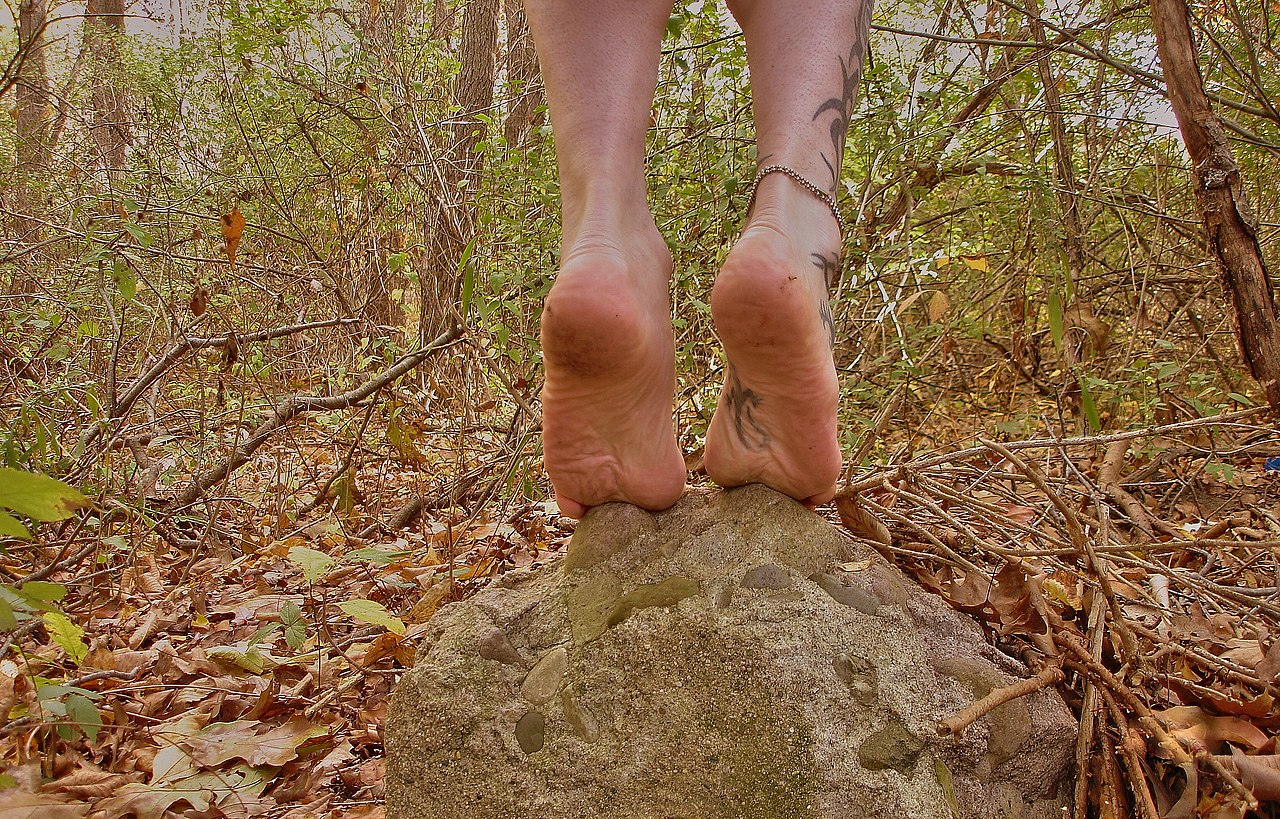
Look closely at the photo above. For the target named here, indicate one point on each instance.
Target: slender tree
(1230, 224)
(32, 115)
(111, 127)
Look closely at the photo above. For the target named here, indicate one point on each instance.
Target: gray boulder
(735, 656)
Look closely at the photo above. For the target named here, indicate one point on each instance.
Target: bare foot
(776, 420)
(609, 351)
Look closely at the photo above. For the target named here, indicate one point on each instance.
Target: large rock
(733, 657)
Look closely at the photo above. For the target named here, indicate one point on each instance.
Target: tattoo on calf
(742, 403)
(842, 106)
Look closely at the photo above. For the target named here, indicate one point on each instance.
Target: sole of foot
(776, 420)
(609, 352)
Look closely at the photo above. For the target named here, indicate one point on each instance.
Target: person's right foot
(609, 353)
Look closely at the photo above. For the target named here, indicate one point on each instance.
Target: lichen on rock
(732, 657)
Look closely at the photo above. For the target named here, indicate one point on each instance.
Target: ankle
(783, 204)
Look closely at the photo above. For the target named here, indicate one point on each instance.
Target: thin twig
(291, 408)
(1206, 758)
(955, 724)
(926, 462)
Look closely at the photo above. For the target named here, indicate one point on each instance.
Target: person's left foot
(775, 423)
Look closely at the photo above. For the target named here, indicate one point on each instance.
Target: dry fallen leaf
(861, 522)
(232, 229)
(1193, 725)
(18, 804)
(224, 741)
(1260, 774)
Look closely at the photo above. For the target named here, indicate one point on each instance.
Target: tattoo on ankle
(742, 404)
(842, 106)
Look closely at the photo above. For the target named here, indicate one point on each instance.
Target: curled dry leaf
(1269, 667)
(861, 522)
(87, 783)
(1195, 727)
(232, 230)
(1260, 774)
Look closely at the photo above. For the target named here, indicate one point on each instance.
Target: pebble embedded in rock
(496, 645)
(847, 595)
(768, 576)
(859, 675)
(531, 732)
(893, 746)
(543, 681)
(663, 594)
(580, 719)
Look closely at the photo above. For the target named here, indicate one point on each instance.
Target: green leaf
(250, 659)
(7, 621)
(10, 527)
(38, 496)
(295, 626)
(381, 557)
(313, 563)
(42, 591)
(1090, 409)
(126, 280)
(468, 277)
(85, 715)
(373, 613)
(140, 235)
(67, 635)
(1055, 318)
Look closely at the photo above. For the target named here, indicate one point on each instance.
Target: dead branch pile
(1137, 571)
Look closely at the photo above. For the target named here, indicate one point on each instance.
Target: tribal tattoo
(742, 403)
(842, 106)
(830, 267)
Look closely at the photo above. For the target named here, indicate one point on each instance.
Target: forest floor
(240, 664)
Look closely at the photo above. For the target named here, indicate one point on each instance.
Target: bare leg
(606, 327)
(776, 420)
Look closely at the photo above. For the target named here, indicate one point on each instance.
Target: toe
(570, 508)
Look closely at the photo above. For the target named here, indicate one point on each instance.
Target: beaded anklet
(826, 198)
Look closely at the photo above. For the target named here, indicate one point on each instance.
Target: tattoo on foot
(824, 313)
(742, 404)
(829, 265)
(842, 106)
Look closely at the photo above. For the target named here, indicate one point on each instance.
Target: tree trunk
(32, 126)
(111, 126)
(1230, 225)
(1063, 160)
(453, 225)
(526, 94)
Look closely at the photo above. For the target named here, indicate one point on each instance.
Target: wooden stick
(955, 724)
(1147, 720)
(1109, 480)
(1206, 758)
(1089, 711)
(1132, 762)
